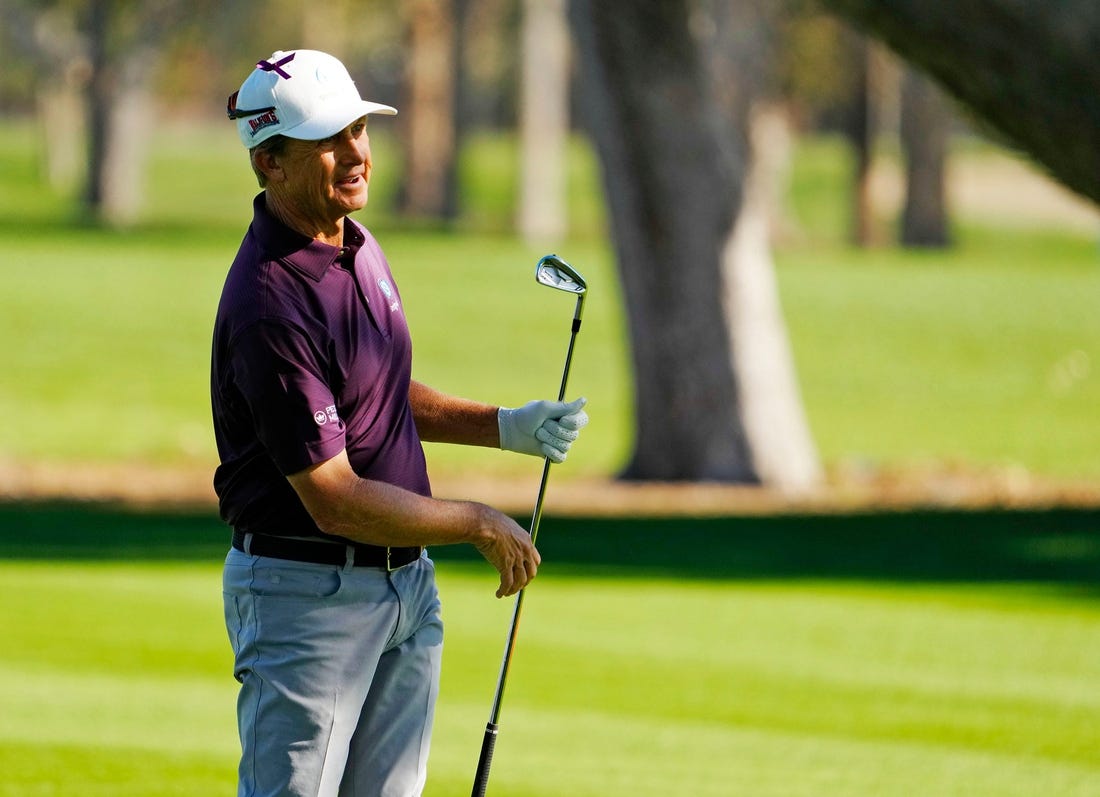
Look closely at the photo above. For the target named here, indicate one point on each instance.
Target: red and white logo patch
(266, 119)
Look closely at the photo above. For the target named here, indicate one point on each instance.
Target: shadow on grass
(1060, 546)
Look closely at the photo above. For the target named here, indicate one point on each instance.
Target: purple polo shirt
(311, 355)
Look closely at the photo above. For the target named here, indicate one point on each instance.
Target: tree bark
(925, 134)
(674, 150)
(1028, 68)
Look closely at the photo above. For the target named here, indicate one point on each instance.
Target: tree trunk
(860, 131)
(430, 140)
(121, 112)
(775, 424)
(925, 132)
(60, 111)
(1028, 68)
(99, 102)
(57, 49)
(544, 121)
(674, 154)
(113, 56)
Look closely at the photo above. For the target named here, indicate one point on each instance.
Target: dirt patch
(845, 490)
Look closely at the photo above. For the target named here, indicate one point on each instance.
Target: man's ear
(268, 163)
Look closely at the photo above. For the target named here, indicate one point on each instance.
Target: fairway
(832, 528)
(909, 654)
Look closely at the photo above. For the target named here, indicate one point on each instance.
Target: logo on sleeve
(327, 415)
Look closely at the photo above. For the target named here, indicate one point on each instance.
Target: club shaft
(485, 760)
(536, 519)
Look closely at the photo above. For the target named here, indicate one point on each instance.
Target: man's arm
(441, 418)
(539, 428)
(343, 504)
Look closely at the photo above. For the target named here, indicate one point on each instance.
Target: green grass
(933, 654)
(984, 356)
(110, 350)
(111, 331)
(906, 654)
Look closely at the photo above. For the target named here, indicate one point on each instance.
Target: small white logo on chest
(387, 291)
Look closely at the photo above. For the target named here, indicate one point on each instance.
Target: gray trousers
(339, 672)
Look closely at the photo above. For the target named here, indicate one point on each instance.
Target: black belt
(325, 553)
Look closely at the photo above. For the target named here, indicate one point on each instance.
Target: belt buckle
(391, 567)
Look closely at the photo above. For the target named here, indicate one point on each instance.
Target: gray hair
(276, 145)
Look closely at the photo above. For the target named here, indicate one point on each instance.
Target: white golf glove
(542, 428)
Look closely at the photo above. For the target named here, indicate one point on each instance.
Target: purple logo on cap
(276, 67)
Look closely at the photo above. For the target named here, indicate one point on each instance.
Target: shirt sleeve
(282, 378)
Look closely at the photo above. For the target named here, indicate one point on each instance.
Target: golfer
(330, 597)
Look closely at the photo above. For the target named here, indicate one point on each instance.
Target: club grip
(485, 760)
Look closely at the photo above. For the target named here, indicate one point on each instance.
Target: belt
(325, 553)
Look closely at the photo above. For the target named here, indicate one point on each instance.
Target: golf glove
(542, 428)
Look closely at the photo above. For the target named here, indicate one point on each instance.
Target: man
(330, 598)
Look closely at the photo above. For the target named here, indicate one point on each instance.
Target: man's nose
(355, 148)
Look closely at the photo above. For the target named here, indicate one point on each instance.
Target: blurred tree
(490, 66)
(326, 26)
(1027, 68)
(95, 63)
(43, 42)
(544, 120)
(670, 92)
(123, 50)
(861, 133)
(429, 115)
(925, 132)
(816, 70)
(851, 82)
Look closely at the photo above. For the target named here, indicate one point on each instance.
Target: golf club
(554, 272)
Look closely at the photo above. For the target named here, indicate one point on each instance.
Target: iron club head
(556, 273)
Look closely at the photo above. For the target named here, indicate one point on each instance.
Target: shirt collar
(302, 253)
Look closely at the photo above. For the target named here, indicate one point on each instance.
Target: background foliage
(979, 357)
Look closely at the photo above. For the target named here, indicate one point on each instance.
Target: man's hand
(542, 428)
(508, 548)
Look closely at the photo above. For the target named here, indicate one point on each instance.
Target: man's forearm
(345, 505)
(441, 418)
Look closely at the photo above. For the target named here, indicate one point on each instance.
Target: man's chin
(352, 203)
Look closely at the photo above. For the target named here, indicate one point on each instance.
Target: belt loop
(349, 561)
(248, 543)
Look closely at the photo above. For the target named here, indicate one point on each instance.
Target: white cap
(303, 94)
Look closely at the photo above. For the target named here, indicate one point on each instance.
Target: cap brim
(322, 126)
